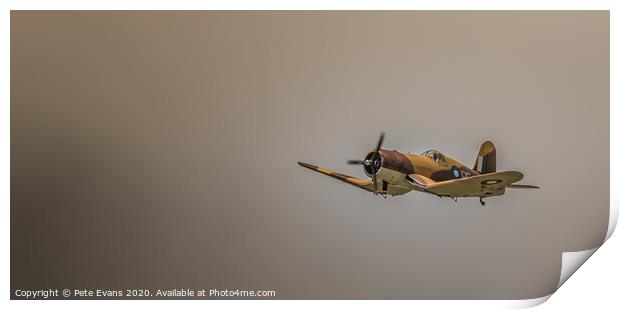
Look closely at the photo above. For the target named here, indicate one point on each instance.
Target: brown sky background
(159, 149)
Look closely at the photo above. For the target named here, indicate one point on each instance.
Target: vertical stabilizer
(485, 161)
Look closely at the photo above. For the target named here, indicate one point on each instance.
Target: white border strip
(570, 260)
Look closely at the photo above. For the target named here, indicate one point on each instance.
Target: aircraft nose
(371, 161)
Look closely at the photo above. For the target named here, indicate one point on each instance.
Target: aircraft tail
(486, 159)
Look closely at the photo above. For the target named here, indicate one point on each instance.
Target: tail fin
(485, 161)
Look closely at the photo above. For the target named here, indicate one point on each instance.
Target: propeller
(355, 162)
(372, 162)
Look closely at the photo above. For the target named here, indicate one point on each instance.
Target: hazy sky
(159, 149)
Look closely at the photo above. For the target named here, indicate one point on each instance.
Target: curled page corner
(528, 303)
(613, 219)
(571, 261)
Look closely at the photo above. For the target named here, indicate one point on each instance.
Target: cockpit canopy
(435, 155)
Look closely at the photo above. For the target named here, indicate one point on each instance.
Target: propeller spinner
(372, 162)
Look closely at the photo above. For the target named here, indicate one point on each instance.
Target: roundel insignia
(456, 172)
(490, 182)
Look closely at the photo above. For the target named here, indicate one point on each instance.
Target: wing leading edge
(363, 184)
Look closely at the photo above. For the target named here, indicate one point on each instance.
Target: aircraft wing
(474, 186)
(363, 184)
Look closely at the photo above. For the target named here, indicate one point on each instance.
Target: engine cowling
(392, 160)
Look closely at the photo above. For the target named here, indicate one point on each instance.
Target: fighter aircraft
(397, 173)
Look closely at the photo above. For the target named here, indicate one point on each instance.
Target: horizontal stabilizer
(521, 186)
(475, 186)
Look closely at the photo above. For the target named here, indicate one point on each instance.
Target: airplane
(396, 173)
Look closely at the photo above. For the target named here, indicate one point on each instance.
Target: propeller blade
(374, 179)
(355, 162)
(376, 155)
(380, 142)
